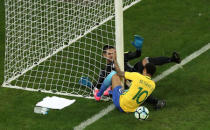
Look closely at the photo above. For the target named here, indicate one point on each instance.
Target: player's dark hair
(106, 47)
(151, 69)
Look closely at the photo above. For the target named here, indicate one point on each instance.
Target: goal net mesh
(51, 44)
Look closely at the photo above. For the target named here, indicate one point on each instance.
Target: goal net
(51, 44)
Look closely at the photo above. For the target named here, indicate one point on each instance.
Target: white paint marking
(95, 117)
(156, 79)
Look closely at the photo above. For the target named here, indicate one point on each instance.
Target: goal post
(119, 33)
(51, 44)
(119, 41)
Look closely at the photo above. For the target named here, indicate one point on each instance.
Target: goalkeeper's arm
(131, 55)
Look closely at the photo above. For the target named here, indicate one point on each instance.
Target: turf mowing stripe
(156, 79)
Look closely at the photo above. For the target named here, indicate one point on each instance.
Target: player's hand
(138, 41)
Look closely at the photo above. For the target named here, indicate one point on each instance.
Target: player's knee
(116, 80)
(114, 77)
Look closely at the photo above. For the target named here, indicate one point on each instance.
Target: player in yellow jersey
(141, 87)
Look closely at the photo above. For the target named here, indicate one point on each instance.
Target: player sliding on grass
(141, 87)
(138, 67)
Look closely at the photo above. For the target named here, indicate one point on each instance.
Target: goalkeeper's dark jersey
(109, 67)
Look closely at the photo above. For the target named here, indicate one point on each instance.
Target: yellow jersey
(141, 87)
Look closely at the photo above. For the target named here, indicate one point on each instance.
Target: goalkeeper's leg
(139, 66)
(106, 83)
(164, 60)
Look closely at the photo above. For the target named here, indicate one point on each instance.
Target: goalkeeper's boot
(160, 104)
(106, 92)
(97, 98)
(175, 57)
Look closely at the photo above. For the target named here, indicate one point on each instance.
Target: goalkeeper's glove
(138, 41)
(85, 81)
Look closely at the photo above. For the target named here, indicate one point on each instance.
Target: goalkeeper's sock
(102, 89)
(107, 82)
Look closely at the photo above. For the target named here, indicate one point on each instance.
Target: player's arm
(117, 68)
(126, 75)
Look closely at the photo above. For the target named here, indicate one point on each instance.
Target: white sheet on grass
(55, 102)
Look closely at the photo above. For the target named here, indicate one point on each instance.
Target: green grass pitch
(167, 26)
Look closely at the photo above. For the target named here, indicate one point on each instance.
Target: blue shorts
(116, 92)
